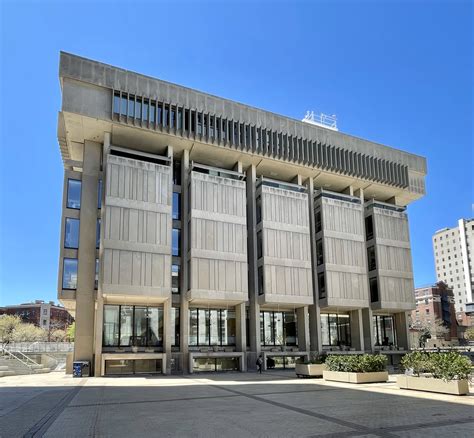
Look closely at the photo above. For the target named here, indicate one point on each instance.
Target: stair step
(7, 373)
(3, 367)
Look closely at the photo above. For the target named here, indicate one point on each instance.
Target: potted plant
(356, 368)
(446, 373)
(311, 368)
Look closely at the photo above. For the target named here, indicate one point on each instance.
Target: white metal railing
(19, 356)
(42, 347)
(321, 120)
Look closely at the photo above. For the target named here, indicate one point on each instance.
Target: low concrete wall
(340, 376)
(455, 387)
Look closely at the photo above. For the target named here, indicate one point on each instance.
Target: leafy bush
(315, 359)
(356, 363)
(447, 366)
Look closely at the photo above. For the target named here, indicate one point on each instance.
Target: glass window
(335, 330)
(145, 110)
(152, 112)
(126, 326)
(176, 205)
(175, 279)
(124, 105)
(177, 172)
(69, 273)
(117, 103)
(290, 328)
(138, 109)
(97, 234)
(154, 336)
(175, 327)
(321, 286)
(96, 282)
(371, 260)
(228, 327)
(319, 252)
(111, 326)
(260, 280)
(374, 290)
(71, 233)
(369, 228)
(318, 221)
(384, 330)
(193, 327)
(74, 193)
(259, 209)
(131, 106)
(140, 326)
(99, 194)
(176, 241)
(259, 244)
(165, 115)
(278, 328)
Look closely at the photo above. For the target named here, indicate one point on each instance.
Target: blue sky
(398, 73)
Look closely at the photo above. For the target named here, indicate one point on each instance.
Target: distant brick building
(435, 303)
(46, 315)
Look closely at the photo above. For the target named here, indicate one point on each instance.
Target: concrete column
(167, 341)
(241, 341)
(302, 317)
(254, 307)
(401, 328)
(316, 343)
(357, 333)
(85, 293)
(184, 274)
(99, 312)
(368, 329)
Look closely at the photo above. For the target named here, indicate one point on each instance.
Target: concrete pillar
(85, 293)
(241, 336)
(184, 274)
(368, 329)
(99, 312)
(349, 191)
(316, 343)
(254, 307)
(401, 329)
(238, 167)
(357, 333)
(167, 341)
(302, 317)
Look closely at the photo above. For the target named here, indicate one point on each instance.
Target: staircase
(14, 363)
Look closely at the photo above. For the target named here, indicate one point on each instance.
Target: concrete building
(454, 263)
(47, 315)
(198, 233)
(435, 304)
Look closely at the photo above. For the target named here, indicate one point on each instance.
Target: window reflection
(176, 241)
(384, 330)
(175, 278)
(335, 330)
(212, 327)
(176, 205)
(278, 328)
(71, 233)
(74, 193)
(126, 326)
(69, 273)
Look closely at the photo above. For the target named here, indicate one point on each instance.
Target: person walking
(260, 364)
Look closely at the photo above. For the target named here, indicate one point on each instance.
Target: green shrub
(315, 359)
(356, 363)
(446, 366)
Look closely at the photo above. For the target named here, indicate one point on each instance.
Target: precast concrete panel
(218, 239)
(393, 260)
(344, 260)
(137, 229)
(286, 250)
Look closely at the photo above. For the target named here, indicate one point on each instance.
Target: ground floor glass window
(278, 328)
(384, 330)
(335, 330)
(212, 327)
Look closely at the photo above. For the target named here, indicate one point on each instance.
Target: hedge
(356, 363)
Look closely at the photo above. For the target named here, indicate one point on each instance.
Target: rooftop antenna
(321, 119)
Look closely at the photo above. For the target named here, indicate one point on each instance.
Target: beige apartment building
(454, 264)
(199, 233)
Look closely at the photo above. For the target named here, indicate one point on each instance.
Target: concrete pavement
(273, 404)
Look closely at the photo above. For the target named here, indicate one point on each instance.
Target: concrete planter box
(309, 370)
(342, 376)
(454, 387)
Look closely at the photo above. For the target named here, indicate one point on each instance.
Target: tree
(8, 326)
(428, 329)
(469, 334)
(29, 333)
(58, 335)
(71, 332)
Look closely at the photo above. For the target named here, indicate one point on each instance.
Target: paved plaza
(274, 404)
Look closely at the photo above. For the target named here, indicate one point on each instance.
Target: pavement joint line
(85, 405)
(40, 427)
(357, 427)
(428, 425)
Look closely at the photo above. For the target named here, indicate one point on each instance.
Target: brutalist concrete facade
(206, 232)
